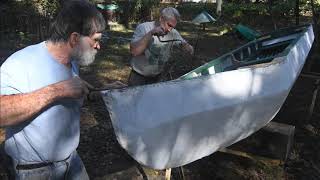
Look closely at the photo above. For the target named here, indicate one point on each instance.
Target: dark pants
(5, 161)
(136, 79)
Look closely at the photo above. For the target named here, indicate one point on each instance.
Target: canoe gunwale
(300, 30)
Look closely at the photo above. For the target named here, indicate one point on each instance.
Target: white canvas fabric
(170, 124)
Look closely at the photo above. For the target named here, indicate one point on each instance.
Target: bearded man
(41, 95)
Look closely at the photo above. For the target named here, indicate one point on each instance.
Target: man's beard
(84, 54)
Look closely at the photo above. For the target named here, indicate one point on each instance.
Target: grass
(112, 61)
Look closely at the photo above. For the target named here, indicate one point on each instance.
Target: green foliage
(237, 9)
(146, 4)
(35, 7)
(191, 10)
(284, 7)
(234, 10)
(47, 7)
(26, 20)
(134, 11)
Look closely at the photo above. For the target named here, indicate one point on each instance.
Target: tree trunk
(219, 8)
(271, 13)
(297, 11)
(314, 16)
(316, 46)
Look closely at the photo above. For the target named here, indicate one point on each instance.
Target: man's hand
(95, 93)
(71, 88)
(138, 47)
(113, 85)
(187, 47)
(158, 31)
(117, 84)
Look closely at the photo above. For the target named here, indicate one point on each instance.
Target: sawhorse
(276, 137)
(180, 173)
(316, 77)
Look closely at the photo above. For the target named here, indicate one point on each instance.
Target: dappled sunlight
(235, 85)
(141, 150)
(117, 27)
(161, 155)
(103, 63)
(110, 68)
(247, 118)
(300, 51)
(119, 47)
(256, 84)
(113, 70)
(293, 57)
(126, 31)
(194, 141)
(188, 34)
(108, 63)
(182, 140)
(236, 126)
(116, 74)
(2, 135)
(87, 119)
(123, 139)
(309, 38)
(221, 33)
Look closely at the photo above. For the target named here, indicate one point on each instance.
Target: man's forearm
(17, 108)
(138, 47)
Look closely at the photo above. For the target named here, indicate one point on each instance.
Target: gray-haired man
(41, 94)
(150, 47)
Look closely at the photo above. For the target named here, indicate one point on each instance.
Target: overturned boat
(173, 123)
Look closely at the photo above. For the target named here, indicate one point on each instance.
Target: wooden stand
(314, 98)
(180, 173)
(168, 174)
(272, 141)
(315, 76)
(275, 139)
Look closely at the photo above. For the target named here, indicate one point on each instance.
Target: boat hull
(173, 123)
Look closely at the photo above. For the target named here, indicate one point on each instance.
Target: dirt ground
(105, 159)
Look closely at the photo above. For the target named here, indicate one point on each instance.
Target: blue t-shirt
(54, 133)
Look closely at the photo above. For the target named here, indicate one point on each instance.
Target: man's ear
(161, 19)
(74, 39)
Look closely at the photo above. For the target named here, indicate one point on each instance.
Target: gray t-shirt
(152, 62)
(54, 133)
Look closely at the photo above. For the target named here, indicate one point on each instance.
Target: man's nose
(97, 46)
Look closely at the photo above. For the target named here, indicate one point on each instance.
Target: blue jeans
(70, 169)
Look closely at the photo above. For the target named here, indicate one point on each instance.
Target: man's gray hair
(169, 13)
